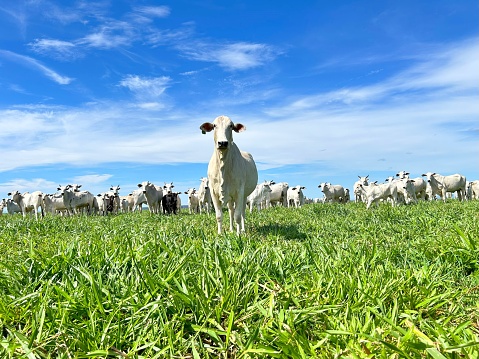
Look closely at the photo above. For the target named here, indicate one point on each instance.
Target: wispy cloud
(147, 90)
(63, 50)
(36, 65)
(232, 56)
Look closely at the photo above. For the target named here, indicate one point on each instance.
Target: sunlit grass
(321, 281)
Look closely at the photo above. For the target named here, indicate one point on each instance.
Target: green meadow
(322, 281)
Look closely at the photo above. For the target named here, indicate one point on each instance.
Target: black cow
(170, 203)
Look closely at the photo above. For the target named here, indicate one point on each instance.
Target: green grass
(325, 281)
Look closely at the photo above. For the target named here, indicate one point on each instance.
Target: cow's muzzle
(222, 145)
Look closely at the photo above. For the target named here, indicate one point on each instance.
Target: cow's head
(168, 188)
(223, 127)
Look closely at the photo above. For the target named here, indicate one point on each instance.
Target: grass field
(325, 281)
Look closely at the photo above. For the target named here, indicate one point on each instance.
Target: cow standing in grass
(232, 173)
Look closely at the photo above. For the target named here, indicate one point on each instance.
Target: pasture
(321, 281)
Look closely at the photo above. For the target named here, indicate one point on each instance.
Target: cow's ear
(206, 127)
(239, 127)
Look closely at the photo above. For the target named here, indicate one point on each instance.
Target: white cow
(376, 192)
(3, 204)
(106, 202)
(279, 194)
(115, 193)
(12, 207)
(333, 192)
(232, 173)
(29, 202)
(441, 185)
(260, 197)
(153, 195)
(357, 190)
(54, 203)
(474, 189)
(193, 201)
(204, 195)
(76, 200)
(295, 196)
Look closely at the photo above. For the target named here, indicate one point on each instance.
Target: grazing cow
(170, 203)
(76, 200)
(333, 193)
(193, 201)
(279, 194)
(295, 196)
(54, 203)
(29, 202)
(232, 173)
(153, 195)
(375, 192)
(441, 185)
(204, 195)
(260, 197)
(357, 190)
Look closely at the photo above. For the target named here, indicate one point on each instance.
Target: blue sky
(113, 92)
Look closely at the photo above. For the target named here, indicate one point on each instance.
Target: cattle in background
(28, 202)
(333, 192)
(346, 195)
(375, 192)
(357, 190)
(473, 190)
(232, 173)
(169, 203)
(295, 196)
(106, 203)
(204, 195)
(441, 185)
(115, 194)
(260, 197)
(153, 195)
(3, 204)
(76, 200)
(54, 204)
(279, 194)
(12, 207)
(193, 201)
(168, 189)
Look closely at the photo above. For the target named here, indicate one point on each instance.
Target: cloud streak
(36, 65)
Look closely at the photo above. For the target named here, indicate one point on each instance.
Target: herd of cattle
(232, 182)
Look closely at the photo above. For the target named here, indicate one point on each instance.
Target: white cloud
(59, 49)
(37, 65)
(235, 56)
(154, 11)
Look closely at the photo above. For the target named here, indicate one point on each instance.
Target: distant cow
(357, 190)
(12, 207)
(169, 203)
(204, 195)
(193, 201)
(260, 197)
(441, 185)
(232, 173)
(295, 196)
(76, 200)
(153, 195)
(279, 194)
(54, 203)
(376, 192)
(333, 192)
(29, 202)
